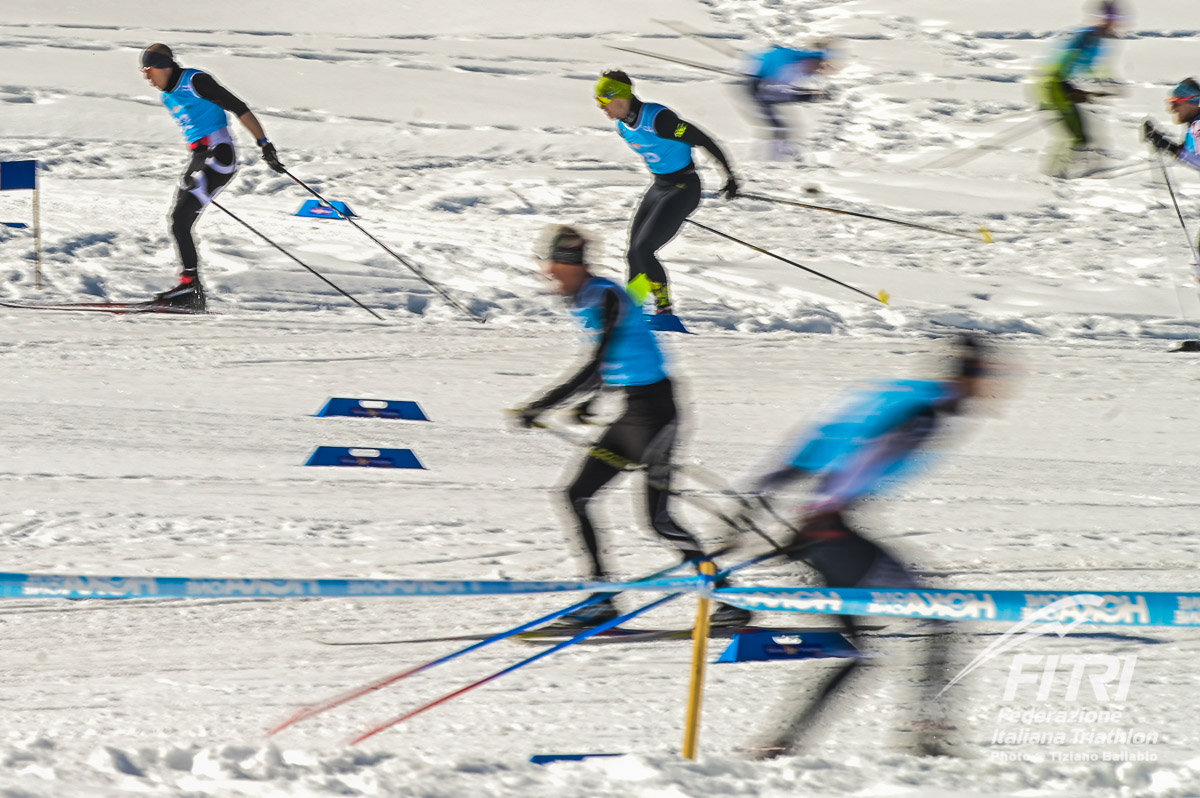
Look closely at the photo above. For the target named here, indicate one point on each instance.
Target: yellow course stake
(691, 731)
(987, 235)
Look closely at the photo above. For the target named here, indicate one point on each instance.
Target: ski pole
(626, 464)
(583, 635)
(682, 61)
(385, 681)
(996, 142)
(882, 296)
(1171, 190)
(684, 29)
(983, 232)
(702, 475)
(436, 287)
(297, 260)
(1162, 165)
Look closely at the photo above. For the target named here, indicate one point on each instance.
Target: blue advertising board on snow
(373, 408)
(363, 457)
(321, 210)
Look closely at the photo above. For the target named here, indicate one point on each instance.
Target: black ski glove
(270, 156)
(1074, 93)
(730, 189)
(527, 417)
(1155, 138)
(582, 412)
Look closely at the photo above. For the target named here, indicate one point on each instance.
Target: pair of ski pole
(439, 289)
(881, 296)
(381, 683)
(386, 681)
(741, 523)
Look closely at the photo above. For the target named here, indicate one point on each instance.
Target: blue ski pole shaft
(386, 681)
(583, 635)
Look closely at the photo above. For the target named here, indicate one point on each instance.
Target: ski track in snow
(165, 446)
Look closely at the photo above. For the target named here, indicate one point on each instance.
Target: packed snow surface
(169, 446)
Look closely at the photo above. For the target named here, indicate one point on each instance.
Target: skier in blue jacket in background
(778, 76)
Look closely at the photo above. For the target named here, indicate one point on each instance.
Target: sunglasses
(1178, 100)
(603, 100)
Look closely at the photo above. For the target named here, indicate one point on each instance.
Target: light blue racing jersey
(663, 156)
(633, 356)
(1082, 53)
(1191, 140)
(784, 64)
(197, 116)
(874, 438)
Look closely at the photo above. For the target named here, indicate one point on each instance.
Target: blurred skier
(1083, 54)
(665, 141)
(201, 106)
(626, 356)
(778, 76)
(879, 436)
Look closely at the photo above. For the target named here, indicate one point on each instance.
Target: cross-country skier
(878, 436)
(665, 141)
(778, 76)
(627, 357)
(201, 107)
(1184, 104)
(1083, 54)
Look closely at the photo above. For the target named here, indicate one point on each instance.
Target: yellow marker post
(691, 731)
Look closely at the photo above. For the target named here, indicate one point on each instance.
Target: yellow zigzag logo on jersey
(680, 130)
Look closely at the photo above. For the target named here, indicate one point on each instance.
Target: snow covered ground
(173, 446)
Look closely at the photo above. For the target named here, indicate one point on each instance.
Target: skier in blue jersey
(665, 142)
(201, 106)
(626, 357)
(878, 437)
(1183, 104)
(1083, 54)
(781, 75)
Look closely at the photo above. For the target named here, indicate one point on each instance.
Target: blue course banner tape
(1066, 608)
(127, 587)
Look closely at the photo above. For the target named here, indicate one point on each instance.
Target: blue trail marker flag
(18, 175)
